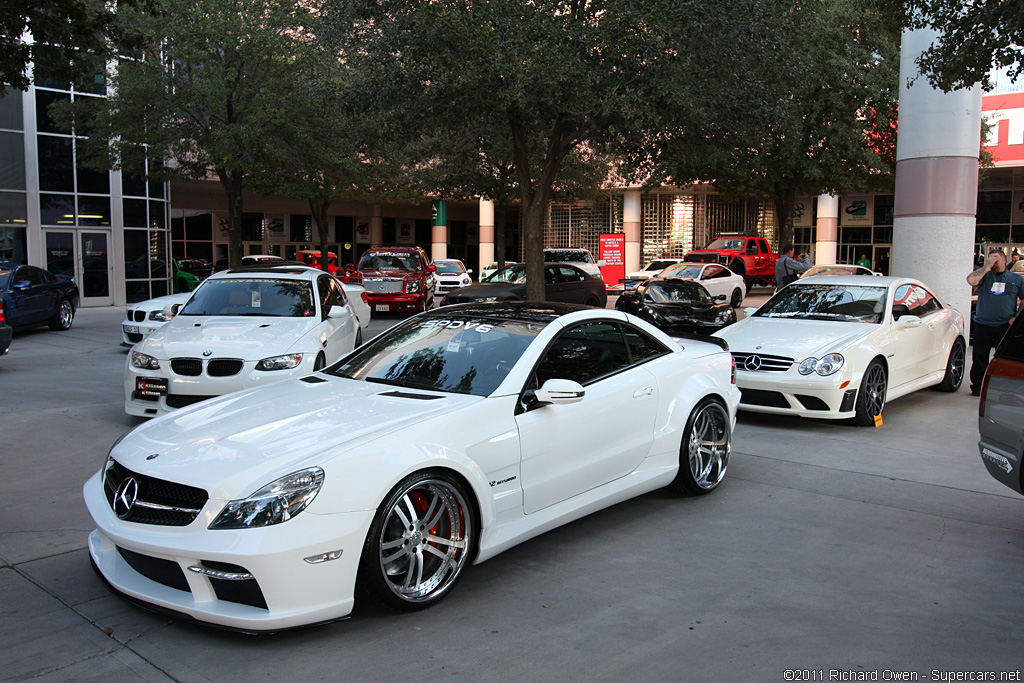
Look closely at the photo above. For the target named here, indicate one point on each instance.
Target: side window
(339, 292)
(550, 275)
(642, 348)
(913, 300)
(751, 247)
(30, 275)
(764, 247)
(585, 354)
(1012, 345)
(323, 289)
(712, 272)
(569, 275)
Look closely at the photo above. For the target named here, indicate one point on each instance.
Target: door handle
(643, 391)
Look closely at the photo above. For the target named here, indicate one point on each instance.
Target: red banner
(613, 255)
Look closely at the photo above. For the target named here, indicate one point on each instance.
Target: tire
(871, 395)
(954, 367)
(737, 266)
(592, 301)
(737, 298)
(63, 317)
(704, 452)
(424, 531)
(359, 338)
(319, 363)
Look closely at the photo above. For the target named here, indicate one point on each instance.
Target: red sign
(1005, 113)
(613, 254)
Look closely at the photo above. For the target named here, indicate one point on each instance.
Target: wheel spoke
(432, 521)
(391, 558)
(413, 517)
(451, 542)
(434, 551)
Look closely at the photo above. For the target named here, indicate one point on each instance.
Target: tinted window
(381, 260)
(339, 292)
(585, 353)
(682, 271)
(913, 300)
(449, 352)
(642, 347)
(323, 286)
(669, 292)
(567, 256)
(30, 275)
(252, 297)
(570, 274)
(729, 244)
(842, 303)
(1012, 345)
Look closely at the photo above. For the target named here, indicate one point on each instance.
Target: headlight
(285, 362)
(276, 502)
(159, 316)
(141, 360)
(824, 366)
(466, 280)
(412, 286)
(488, 298)
(725, 316)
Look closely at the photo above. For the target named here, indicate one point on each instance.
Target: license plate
(383, 307)
(151, 386)
(131, 329)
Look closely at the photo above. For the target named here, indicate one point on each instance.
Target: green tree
(217, 79)
(974, 38)
(541, 80)
(831, 102)
(70, 37)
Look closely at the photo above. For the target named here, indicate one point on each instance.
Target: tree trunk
(319, 210)
(232, 184)
(784, 199)
(534, 208)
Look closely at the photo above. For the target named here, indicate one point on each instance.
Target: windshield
(5, 277)
(729, 244)
(659, 265)
(514, 274)
(450, 267)
(447, 351)
(381, 260)
(567, 256)
(252, 296)
(676, 293)
(844, 303)
(683, 271)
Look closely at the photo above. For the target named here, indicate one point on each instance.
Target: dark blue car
(32, 296)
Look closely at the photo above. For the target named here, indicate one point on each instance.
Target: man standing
(864, 261)
(1000, 293)
(788, 268)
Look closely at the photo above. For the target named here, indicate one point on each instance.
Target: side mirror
(602, 263)
(336, 311)
(349, 268)
(720, 297)
(469, 270)
(560, 392)
(908, 321)
(749, 311)
(431, 268)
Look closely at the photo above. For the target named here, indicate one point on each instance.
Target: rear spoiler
(717, 341)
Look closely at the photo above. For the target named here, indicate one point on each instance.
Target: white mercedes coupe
(241, 328)
(840, 346)
(452, 437)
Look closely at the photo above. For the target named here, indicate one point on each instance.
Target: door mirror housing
(560, 392)
(336, 311)
(908, 321)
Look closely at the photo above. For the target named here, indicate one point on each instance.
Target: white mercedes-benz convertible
(452, 437)
(840, 346)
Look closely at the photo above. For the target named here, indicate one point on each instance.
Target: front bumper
(132, 332)
(144, 561)
(789, 393)
(183, 391)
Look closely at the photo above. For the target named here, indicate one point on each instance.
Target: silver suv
(1001, 412)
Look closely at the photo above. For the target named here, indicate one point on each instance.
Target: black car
(677, 306)
(563, 282)
(32, 296)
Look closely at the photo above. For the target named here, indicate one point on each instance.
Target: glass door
(85, 256)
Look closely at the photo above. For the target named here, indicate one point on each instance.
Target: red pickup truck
(746, 255)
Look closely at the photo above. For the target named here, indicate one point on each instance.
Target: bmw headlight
(141, 360)
(824, 366)
(276, 502)
(466, 281)
(285, 362)
(412, 286)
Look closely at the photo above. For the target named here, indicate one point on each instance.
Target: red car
(396, 279)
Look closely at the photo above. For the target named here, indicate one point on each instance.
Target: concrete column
(936, 180)
(827, 230)
(631, 226)
(377, 226)
(486, 234)
(439, 231)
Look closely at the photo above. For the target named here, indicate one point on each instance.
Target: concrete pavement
(828, 547)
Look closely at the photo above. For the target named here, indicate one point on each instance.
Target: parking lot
(838, 552)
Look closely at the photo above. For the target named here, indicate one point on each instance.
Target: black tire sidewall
(861, 418)
(684, 482)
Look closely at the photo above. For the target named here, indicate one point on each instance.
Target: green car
(184, 281)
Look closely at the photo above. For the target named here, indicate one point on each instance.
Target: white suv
(241, 328)
(581, 258)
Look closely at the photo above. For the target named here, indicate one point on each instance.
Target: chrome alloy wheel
(874, 388)
(709, 446)
(957, 363)
(424, 541)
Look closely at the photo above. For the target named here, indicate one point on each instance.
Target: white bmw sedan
(144, 318)
(241, 328)
(841, 346)
(452, 437)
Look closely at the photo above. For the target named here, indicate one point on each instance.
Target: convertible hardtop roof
(530, 311)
